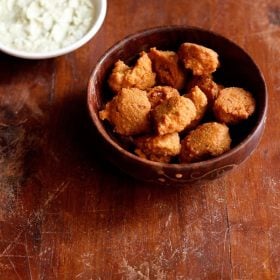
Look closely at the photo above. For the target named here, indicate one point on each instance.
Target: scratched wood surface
(67, 214)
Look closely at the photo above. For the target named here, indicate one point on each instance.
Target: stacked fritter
(162, 100)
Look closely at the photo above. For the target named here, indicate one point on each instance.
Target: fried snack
(140, 76)
(128, 112)
(167, 68)
(116, 79)
(199, 99)
(207, 85)
(173, 115)
(207, 140)
(201, 60)
(149, 112)
(159, 94)
(234, 105)
(159, 148)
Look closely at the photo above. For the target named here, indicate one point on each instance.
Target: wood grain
(67, 214)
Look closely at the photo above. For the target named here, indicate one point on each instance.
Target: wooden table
(67, 214)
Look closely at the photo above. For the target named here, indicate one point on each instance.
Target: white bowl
(100, 13)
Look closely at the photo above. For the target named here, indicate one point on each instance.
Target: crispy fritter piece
(128, 112)
(159, 94)
(201, 60)
(167, 68)
(140, 76)
(116, 79)
(197, 96)
(207, 140)
(207, 85)
(173, 115)
(159, 148)
(234, 105)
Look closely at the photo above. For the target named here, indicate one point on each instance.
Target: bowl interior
(237, 69)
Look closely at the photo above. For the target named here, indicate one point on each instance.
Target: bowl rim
(100, 17)
(178, 166)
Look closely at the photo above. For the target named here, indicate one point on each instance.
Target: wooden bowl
(237, 69)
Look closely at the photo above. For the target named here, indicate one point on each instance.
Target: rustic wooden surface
(66, 214)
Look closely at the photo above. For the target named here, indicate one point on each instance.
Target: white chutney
(44, 25)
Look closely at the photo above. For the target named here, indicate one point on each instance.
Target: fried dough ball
(234, 105)
(128, 112)
(159, 148)
(201, 60)
(207, 85)
(116, 79)
(140, 76)
(199, 99)
(173, 115)
(206, 141)
(159, 94)
(167, 68)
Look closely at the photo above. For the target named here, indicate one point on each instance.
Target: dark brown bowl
(237, 69)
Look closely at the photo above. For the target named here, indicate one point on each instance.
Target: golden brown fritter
(234, 105)
(140, 76)
(159, 94)
(207, 140)
(167, 68)
(197, 96)
(128, 112)
(201, 60)
(116, 78)
(173, 115)
(149, 108)
(207, 85)
(159, 148)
